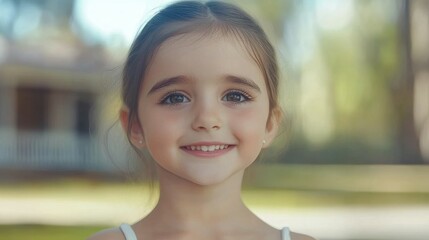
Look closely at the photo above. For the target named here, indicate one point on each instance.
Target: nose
(207, 117)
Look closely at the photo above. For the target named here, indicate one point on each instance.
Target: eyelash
(164, 100)
(247, 97)
(167, 96)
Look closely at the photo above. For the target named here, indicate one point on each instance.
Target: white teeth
(209, 148)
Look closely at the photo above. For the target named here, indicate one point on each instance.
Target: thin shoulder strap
(285, 233)
(128, 232)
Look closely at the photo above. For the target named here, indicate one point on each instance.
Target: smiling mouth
(207, 148)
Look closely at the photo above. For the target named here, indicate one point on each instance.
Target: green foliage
(363, 61)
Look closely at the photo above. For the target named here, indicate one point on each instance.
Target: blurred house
(50, 85)
(47, 99)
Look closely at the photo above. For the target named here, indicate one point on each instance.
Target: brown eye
(236, 97)
(175, 98)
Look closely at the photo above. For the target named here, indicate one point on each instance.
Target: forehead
(205, 43)
(202, 55)
(201, 38)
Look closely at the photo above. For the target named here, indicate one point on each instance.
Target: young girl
(200, 95)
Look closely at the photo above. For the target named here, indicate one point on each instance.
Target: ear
(135, 135)
(272, 127)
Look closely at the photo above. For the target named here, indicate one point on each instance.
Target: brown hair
(191, 16)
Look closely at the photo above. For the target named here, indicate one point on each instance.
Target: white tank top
(130, 235)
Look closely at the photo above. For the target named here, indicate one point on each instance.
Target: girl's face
(203, 109)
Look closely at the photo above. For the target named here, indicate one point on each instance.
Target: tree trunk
(403, 94)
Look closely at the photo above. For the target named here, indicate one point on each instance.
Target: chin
(206, 180)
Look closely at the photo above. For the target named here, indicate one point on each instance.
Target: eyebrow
(243, 81)
(167, 82)
(182, 79)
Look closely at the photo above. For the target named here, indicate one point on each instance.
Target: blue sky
(106, 18)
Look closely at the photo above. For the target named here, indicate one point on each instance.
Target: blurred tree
(403, 92)
(420, 54)
(362, 71)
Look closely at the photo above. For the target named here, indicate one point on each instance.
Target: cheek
(249, 123)
(162, 129)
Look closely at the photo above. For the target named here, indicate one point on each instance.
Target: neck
(190, 204)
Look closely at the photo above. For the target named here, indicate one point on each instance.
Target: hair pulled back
(184, 17)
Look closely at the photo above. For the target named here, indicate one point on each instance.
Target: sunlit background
(351, 162)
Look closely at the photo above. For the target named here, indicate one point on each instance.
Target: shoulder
(108, 234)
(299, 236)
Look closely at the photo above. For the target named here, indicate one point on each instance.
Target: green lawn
(267, 187)
(44, 232)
